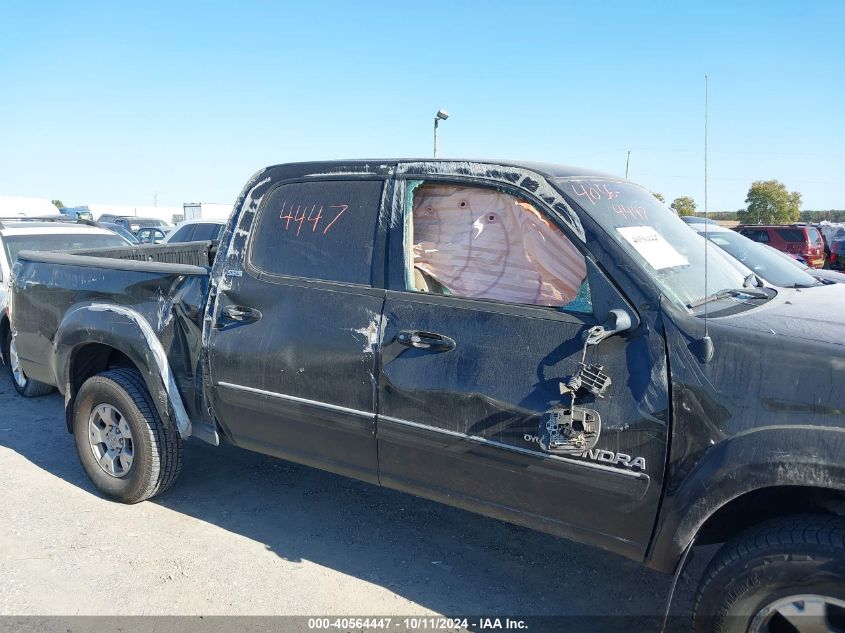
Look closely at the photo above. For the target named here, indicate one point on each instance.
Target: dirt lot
(241, 533)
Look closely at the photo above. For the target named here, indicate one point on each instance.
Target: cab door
(294, 347)
(466, 380)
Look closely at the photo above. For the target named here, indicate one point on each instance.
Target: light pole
(441, 115)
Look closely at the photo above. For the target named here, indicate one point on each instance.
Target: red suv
(795, 239)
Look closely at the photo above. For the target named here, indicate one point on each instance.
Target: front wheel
(24, 385)
(784, 576)
(126, 450)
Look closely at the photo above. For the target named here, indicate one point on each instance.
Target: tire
(768, 578)
(27, 387)
(149, 454)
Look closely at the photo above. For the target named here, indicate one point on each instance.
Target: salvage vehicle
(770, 264)
(48, 233)
(531, 342)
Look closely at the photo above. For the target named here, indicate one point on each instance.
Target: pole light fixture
(441, 115)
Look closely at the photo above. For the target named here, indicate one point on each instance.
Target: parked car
(77, 213)
(532, 342)
(695, 219)
(756, 257)
(798, 239)
(133, 223)
(116, 228)
(151, 235)
(38, 234)
(831, 232)
(837, 251)
(198, 230)
(822, 274)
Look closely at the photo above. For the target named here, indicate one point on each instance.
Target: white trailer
(206, 211)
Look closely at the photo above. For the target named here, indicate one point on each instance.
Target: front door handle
(241, 314)
(426, 340)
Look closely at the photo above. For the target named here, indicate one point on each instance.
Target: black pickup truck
(532, 342)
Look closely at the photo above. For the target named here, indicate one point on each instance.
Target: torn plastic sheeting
(484, 243)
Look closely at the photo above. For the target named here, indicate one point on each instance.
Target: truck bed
(161, 286)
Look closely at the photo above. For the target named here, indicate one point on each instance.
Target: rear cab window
(323, 230)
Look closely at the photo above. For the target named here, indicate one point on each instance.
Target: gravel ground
(245, 534)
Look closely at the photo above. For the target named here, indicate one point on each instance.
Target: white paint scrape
(372, 333)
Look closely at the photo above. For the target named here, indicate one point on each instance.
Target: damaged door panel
(293, 348)
(474, 420)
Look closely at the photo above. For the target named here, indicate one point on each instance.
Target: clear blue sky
(112, 102)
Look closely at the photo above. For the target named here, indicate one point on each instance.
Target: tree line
(767, 202)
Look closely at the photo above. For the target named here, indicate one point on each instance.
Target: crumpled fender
(759, 458)
(127, 331)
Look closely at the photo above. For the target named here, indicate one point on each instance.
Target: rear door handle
(426, 340)
(241, 314)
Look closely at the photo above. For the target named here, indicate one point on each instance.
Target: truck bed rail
(188, 253)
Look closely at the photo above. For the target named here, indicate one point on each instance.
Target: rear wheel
(125, 448)
(784, 576)
(24, 385)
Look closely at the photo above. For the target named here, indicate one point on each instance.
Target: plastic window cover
(484, 243)
(408, 232)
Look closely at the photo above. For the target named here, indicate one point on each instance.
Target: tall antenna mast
(707, 342)
(705, 149)
(627, 162)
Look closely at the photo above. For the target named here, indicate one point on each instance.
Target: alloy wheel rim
(804, 613)
(110, 439)
(15, 365)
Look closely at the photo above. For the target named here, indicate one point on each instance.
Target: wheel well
(88, 361)
(760, 505)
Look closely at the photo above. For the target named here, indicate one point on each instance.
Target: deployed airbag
(484, 243)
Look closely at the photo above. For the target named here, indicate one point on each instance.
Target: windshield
(58, 242)
(669, 251)
(761, 260)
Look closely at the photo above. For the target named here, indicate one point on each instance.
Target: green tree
(684, 205)
(659, 196)
(769, 202)
(59, 204)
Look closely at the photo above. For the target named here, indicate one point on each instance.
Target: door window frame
(397, 274)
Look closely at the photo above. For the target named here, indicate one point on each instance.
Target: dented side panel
(461, 425)
(150, 316)
(298, 381)
(768, 410)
